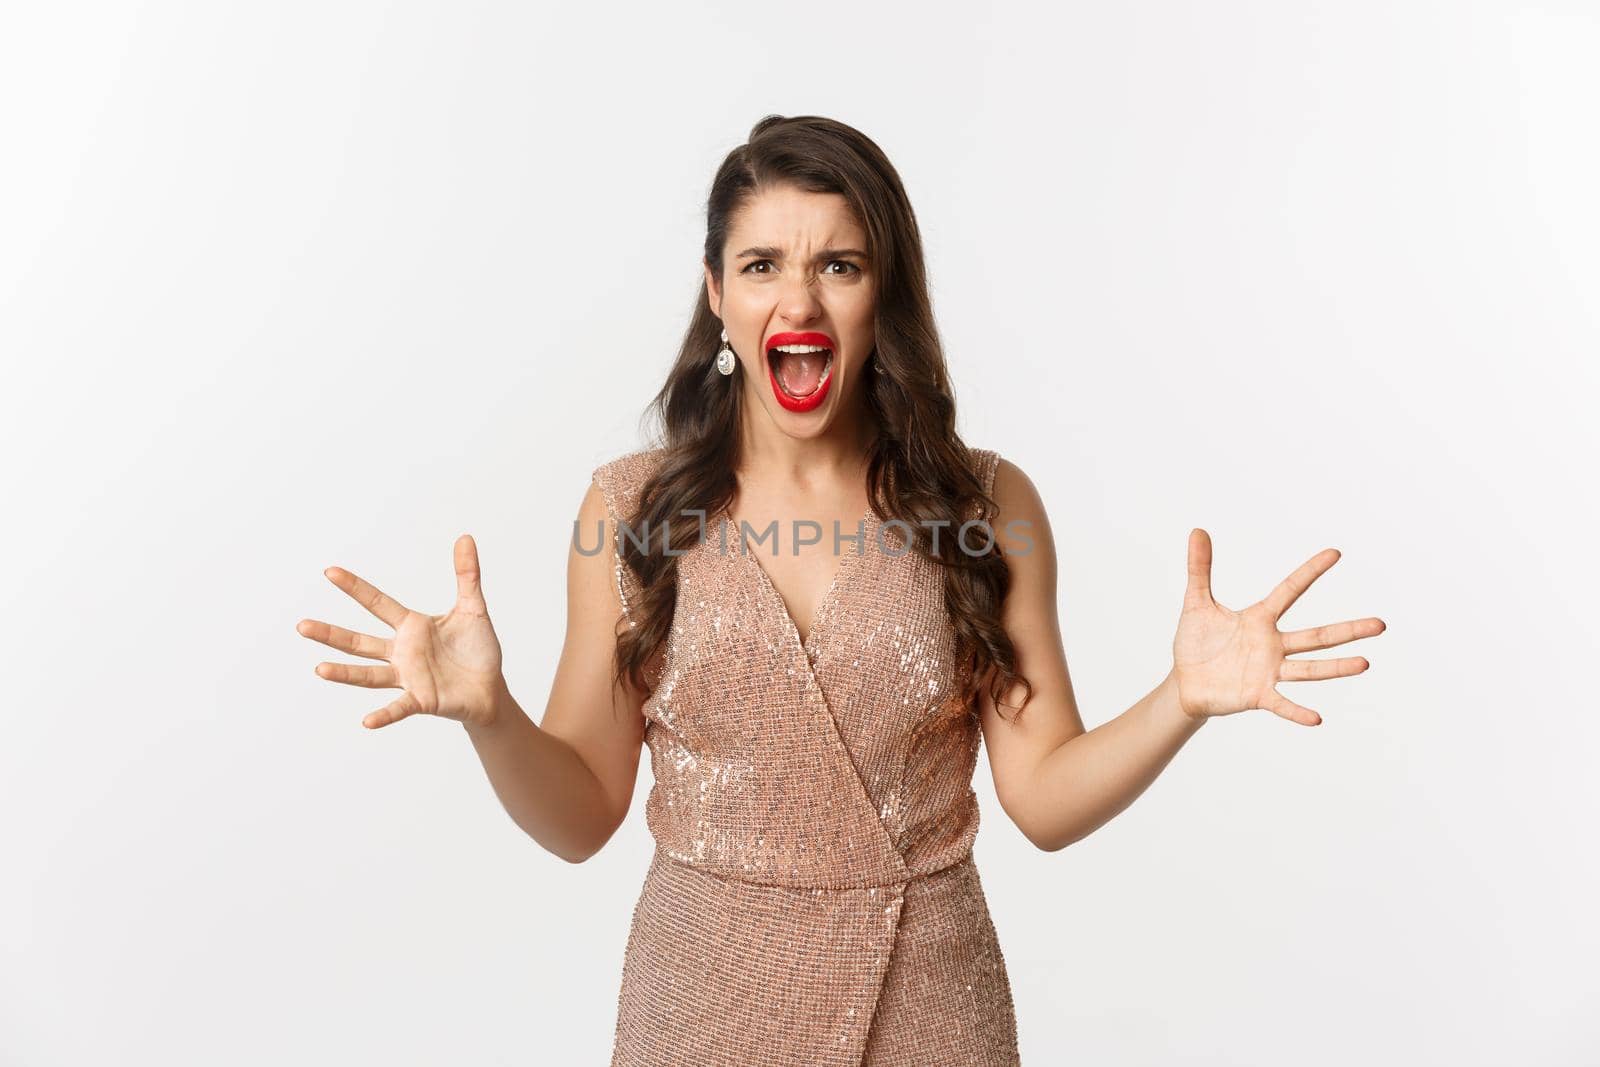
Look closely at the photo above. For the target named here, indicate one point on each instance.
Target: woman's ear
(712, 295)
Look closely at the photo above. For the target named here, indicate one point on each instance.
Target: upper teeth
(800, 348)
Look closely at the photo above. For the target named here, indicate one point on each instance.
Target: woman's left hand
(1229, 661)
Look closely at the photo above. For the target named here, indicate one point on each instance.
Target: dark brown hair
(919, 469)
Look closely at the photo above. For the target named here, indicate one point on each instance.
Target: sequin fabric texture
(812, 898)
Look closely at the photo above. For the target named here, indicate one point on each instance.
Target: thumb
(469, 587)
(1198, 592)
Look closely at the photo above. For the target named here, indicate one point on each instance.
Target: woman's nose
(799, 297)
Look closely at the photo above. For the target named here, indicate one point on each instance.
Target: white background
(284, 286)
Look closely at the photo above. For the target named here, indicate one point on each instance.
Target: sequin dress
(812, 898)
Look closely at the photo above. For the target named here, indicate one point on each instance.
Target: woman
(814, 716)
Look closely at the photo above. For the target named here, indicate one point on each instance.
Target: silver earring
(725, 357)
(877, 362)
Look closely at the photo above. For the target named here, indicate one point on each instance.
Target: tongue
(800, 372)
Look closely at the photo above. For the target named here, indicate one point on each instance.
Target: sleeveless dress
(812, 898)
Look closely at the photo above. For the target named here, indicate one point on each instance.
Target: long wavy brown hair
(919, 469)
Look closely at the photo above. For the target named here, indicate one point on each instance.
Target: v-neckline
(820, 613)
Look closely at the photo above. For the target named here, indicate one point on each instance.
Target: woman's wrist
(500, 707)
(1169, 704)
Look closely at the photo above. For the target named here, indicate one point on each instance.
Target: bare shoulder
(1021, 523)
(1012, 482)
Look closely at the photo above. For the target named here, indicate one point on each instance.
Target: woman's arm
(1058, 783)
(568, 781)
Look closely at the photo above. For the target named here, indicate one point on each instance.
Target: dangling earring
(725, 357)
(877, 362)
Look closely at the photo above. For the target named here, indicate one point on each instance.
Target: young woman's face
(795, 271)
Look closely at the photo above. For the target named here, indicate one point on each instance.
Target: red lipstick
(816, 397)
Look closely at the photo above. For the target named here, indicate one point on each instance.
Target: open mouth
(800, 372)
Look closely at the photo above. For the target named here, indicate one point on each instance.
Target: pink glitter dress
(812, 898)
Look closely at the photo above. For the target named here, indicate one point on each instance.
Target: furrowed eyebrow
(769, 252)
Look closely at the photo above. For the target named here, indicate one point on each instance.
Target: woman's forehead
(785, 217)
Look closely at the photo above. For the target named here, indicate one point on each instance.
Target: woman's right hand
(448, 665)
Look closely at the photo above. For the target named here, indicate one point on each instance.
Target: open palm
(1230, 661)
(448, 665)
